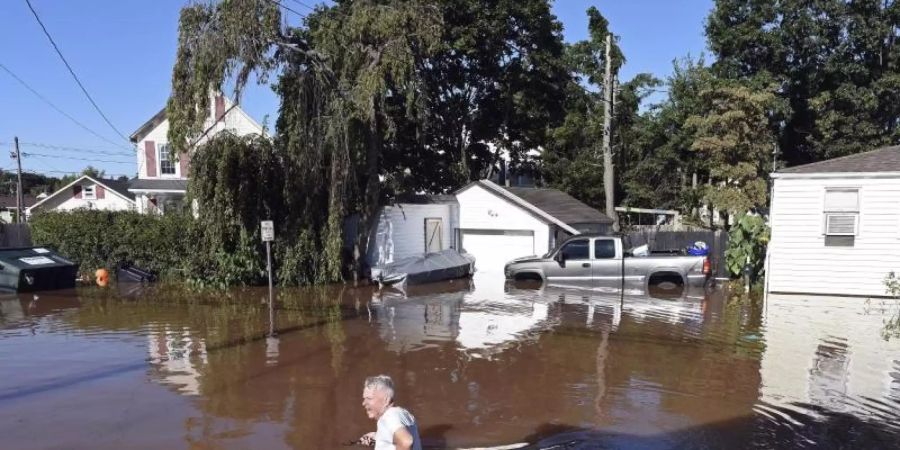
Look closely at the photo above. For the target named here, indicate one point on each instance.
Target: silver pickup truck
(602, 261)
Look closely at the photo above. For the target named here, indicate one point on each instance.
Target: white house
(162, 182)
(499, 223)
(87, 193)
(836, 225)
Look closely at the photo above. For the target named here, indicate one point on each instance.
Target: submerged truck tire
(666, 283)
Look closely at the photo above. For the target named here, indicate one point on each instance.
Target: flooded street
(479, 362)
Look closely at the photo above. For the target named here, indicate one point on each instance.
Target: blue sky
(123, 51)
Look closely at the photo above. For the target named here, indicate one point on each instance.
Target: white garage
(500, 223)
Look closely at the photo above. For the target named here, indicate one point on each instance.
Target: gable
(234, 118)
(109, 192)
(524, 205)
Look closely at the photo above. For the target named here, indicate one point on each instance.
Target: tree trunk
(372, 195)
(608, 171)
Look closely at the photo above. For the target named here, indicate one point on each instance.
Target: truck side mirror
(561, 259)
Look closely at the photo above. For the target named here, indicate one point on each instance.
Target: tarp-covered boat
(427, 268)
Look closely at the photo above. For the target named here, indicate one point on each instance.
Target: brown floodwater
(480, 363)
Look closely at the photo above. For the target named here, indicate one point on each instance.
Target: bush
(747, 240)
(96, 239)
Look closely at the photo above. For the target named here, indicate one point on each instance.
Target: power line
(56, 108)
(69, 172)
(73, 149)
(276, 2)
(71, 71)
(44, 155)
(304, 5)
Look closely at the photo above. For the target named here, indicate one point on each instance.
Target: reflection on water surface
(479, 362)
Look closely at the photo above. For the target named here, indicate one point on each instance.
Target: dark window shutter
(150, 158)
(184, 160)
(76, 191)
(220, 107)
(99, 192)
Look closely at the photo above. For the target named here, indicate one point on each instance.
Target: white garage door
(494, 248)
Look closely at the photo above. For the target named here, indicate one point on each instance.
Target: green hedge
(96, 239)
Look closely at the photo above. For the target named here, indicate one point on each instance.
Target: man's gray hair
(382, 382)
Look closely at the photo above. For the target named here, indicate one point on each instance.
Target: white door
(492, 249)
(434, 232)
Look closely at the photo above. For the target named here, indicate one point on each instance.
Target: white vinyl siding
(400, 230)
(236, 121)
(801, 262)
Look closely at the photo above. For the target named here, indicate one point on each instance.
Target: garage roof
(552, 204)
(560, 205)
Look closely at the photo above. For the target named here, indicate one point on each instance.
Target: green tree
(493, 86)
(340, 72)
(733, 138)
(663, 167)
(836, 63)
(90, 171)
(377, 97)
(573, 161)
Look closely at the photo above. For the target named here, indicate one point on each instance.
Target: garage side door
(494, 248)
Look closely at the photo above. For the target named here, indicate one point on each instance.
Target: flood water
(479, 362)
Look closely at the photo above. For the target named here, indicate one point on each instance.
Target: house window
(841, 217)
(89, 192)
(166, 165)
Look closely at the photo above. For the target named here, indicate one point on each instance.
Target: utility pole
(608, 174)
(19, 198)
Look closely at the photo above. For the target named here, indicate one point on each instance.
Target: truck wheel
(666, 284)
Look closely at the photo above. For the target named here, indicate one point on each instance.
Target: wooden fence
(671, 240)
(15, 235)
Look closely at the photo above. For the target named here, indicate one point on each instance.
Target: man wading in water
(396, 426)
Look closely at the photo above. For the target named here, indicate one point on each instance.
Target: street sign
(267, 227)
(268, 230)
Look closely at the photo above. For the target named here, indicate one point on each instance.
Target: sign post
(267, 227)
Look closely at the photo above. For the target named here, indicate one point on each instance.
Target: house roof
(149, 125)
(158, 185)
(425, 199)
(560, 205)
(160, 117)
(9, 201)
(551, 205)
(886, 159)
(119, 188)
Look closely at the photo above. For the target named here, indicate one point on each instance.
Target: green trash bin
(33, 269)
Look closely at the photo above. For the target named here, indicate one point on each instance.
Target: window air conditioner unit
(841, 224)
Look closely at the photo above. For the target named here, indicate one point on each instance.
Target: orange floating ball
(102, 276)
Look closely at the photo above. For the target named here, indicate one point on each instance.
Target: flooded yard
(479, 362)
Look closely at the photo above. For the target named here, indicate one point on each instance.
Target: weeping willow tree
(325, 165)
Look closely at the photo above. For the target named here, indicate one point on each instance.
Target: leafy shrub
(892, 288)
(747, 240)
(96, 239)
